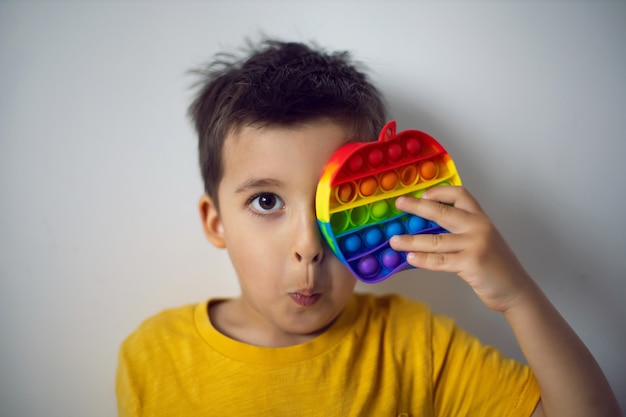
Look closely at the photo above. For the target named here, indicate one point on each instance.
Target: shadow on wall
(588, 303)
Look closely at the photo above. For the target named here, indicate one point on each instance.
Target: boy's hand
(473, 249)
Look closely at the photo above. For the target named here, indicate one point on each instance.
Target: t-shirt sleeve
(126, 384)
(471, 379)
(147, 363)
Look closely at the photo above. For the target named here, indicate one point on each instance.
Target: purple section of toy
(381, 262)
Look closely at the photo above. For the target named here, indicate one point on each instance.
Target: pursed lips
(304, 297)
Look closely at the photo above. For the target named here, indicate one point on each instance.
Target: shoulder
(163, 326)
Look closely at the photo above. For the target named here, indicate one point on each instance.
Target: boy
(298, 341)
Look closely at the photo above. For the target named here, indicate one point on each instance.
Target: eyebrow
(256, 183)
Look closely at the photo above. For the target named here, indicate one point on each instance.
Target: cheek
(348, 281)
(252, 252)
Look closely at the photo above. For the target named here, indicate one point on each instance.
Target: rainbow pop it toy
(355, 200)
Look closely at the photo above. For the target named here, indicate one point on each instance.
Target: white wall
(99, 180)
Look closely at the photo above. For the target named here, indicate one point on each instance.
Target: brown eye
(266, 203)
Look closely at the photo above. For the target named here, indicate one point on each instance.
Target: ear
(211, 222)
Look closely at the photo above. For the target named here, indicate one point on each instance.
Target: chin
(310, 326)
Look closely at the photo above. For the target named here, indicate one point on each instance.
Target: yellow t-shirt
(384, 356)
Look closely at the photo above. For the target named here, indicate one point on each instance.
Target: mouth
(304, 298)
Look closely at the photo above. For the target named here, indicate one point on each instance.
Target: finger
(446, 216)
(459, 197)
(429, 243)
(446, 262)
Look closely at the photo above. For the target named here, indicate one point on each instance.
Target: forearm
(572, 384)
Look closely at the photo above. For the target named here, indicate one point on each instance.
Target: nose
(307, 246)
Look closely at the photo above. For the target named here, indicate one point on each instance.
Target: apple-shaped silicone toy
(355, 200)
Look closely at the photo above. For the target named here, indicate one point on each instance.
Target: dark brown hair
(279, 83)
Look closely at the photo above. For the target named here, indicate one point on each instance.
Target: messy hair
(279, 83)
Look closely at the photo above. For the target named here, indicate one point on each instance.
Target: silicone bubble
(412, 146)
(356, 194)
(346, 192)
(368, 186)
(408, 175)
(373, 236)
(339, 221)
(356, 162)
(380, 209)
(388, 180)
(375, 157)
(359, 215)
(394, 151)
(394, 228)
(428, 170)
(368, 266)
(352, 243)
(415, 224)
(391, 259)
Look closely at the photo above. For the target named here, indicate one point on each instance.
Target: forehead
(273, 150)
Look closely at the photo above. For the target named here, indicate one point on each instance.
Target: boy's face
(292, 285)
